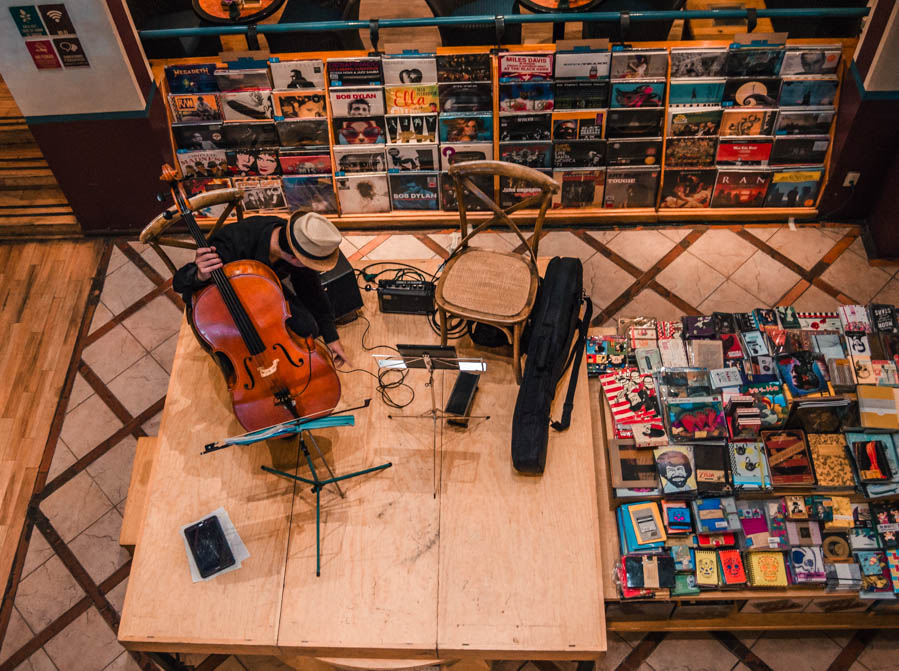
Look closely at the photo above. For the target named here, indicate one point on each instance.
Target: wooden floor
(44, 288)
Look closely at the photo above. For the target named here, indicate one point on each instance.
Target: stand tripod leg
(327, 466)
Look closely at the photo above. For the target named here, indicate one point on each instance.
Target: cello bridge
(265, 372)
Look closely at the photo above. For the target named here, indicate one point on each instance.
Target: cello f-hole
(246, 365)
(287, 355)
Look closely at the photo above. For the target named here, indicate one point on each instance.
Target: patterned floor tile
(690, 652)
(124, 662)
(81, 391)
(112, 471)
(604, 281)
(796, 651)
(883, 652)
(497, 241)
(852, 275)
(17, 635)
(97, 547)
(116, 596)
(154, 323)
(813, 299)
(46, 594)
(805, 246)
(835, 232)
(618, 649)
(564, 243)
(116, 260)
(113, 353)
(765, 278)
(140, 385)
(605, 237)
(62, 459)
(88, 644)
(676, 234)
(763, 233)
(400, 247)
(151, 426)
(724, 250)
(75, 506)
(690, 279)
(165, 353)
(39, 551)
(648, 302)
(858, 248)
(729, 297)
(88, 425)
(125, 286)
(178, 255)
(101, 316)
(889, 293)
(642, 248)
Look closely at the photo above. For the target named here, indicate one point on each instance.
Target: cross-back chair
(486, 286)
(152, 234)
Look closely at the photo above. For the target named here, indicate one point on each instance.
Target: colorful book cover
(707, 568)
(676, 469)
(631, 396)
(808, 564)
(832, 467)
(767, 569)
(696, 419)
(788, 458)
(749, 469)
(770, 401)
(732, 570)
(893, 566)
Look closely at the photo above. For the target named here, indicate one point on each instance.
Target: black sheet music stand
(431, 358)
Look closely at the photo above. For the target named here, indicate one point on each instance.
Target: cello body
(300, 367)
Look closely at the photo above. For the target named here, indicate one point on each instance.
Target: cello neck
(244, 324)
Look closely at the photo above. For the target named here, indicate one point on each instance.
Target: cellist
(297, 250)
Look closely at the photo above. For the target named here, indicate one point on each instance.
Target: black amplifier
(406, 297)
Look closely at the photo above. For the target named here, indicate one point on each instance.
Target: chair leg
(441, 315)
(516, 351)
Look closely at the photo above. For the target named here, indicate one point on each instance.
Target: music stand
(431, 358)
(297, 427)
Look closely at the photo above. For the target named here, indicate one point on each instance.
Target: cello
(273, 376)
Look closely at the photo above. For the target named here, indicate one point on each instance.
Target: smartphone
(209, 546)
(462, 397)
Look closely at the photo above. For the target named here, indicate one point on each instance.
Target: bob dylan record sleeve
(518, 127)
(349, 160)
(741, 188)
(354, 72)
(357, 102)
(698, 62)
(526, 97)
(298, 74)
(415, 128)
(579, 154)
(302, 132)
(525, 67)
(472, 202)
(363, 193)
(247, 105)
(465, 151)
(530, 154)
(360, 130)
(414, 157)
(310, 193)
(466, 97)
(632, 187)
(295, 105)
(412, 70)
(412, 99)
(464, 68)
(688, 188)
(414, 191)
(582, 95)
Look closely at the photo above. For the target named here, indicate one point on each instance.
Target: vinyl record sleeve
(741, 188)
(414, 191)
(411, 128)
(687, 188)
(585, 125)
(297, 74)
(743, 151)
(646, 122)
(580, 188)
(690, 152)
(363, 193)
(360, 102)
(696, 91)
(412, 158)
(422, 99)
(593, 94)
(463, 68)
(811, 61)
(409, 70)
(242, 79)
(310, 193)
(261, 193)
(301, 133)
(525, 127)
(477, 127)
(466, 97)
(530, 154)
(689, 121)
(794, 188)
(534, 96)
(690, 62)
(753, 61)
(253, 105)
(193, 108)
(808, 92)
(636, 152)
(197, 78)
(742, 121)
(631, 187)
(472, 203)
(464, 151)
(254, 161)
(525, 67)
(583, 65)
(354, 72)
(304, 162)
(359, 130)
(199, 136)
(638, 94)
(751, 92)
(639, 64)
(299, 104)
(512, 191)
(579, 154)
(203, 163)
(358, 159)
(804, 122)
(800, 150)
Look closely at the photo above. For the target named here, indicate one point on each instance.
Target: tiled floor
(74, 575)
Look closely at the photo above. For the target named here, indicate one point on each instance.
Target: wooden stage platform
(495, 566)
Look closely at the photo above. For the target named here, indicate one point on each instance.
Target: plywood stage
(496, 565)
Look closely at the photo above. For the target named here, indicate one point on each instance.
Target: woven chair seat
(491, 282)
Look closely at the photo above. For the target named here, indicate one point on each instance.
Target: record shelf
(716, 609)
(440, 219)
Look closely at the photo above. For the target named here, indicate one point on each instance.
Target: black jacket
(250, 239)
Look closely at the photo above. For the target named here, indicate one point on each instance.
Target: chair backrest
(152, 234)
(462, 174)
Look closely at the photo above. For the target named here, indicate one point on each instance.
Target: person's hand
(340, 357)
(207, 261)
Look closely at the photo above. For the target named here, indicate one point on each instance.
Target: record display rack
(400, 219)
(715, 609)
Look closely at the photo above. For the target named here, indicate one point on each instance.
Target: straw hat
(313, 240)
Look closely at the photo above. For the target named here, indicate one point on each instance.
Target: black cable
(384, 385)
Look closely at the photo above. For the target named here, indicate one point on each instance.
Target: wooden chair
(495, 288)
(152, 234)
